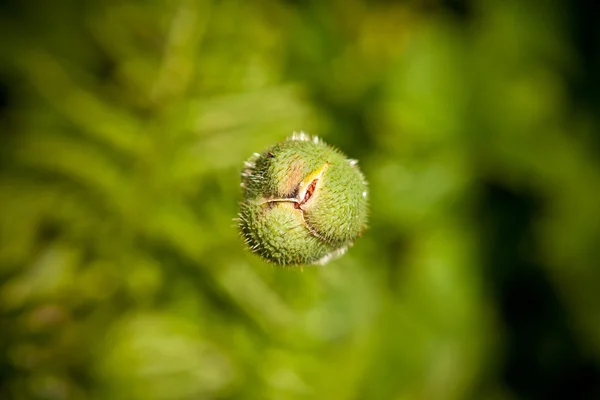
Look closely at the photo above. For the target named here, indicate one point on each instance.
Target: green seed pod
(304, 202)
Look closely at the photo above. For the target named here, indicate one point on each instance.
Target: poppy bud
(304, 202)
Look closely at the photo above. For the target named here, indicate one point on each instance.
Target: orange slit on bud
(309, 191)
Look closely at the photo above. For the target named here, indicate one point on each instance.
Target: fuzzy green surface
(338, 212)
(331, 220)
(276, 231)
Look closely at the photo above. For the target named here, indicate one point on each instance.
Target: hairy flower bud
(304, 202)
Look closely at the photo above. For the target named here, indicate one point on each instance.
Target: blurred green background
(124, 126)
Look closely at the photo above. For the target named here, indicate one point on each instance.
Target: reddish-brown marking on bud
(310, 191)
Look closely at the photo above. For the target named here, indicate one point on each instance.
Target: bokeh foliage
(124, 126)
